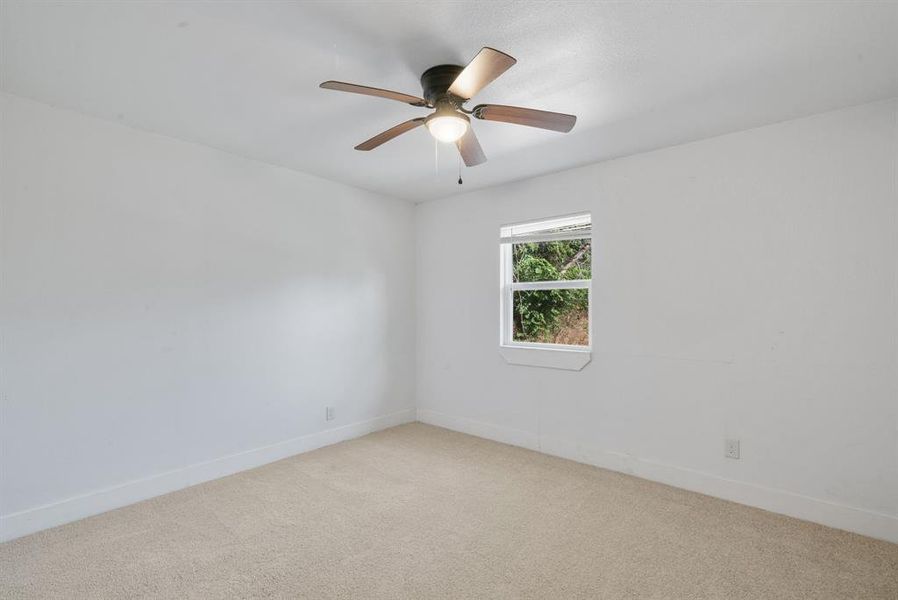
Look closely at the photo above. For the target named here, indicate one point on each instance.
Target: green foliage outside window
(552, 316)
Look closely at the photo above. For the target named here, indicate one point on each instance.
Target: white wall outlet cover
(732, 448)
(329, 413)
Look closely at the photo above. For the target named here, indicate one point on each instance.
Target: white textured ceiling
(243, 76)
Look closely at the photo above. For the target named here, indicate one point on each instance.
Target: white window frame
(561, 356)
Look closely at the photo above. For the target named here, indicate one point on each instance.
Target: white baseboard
(840, 516)
(506, 435)
(865, 522)
(43, 517)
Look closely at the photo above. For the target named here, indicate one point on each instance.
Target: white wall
(165, 305)
(744, 286)
(171, 313)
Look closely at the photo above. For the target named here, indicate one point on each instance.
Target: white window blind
(560, 228)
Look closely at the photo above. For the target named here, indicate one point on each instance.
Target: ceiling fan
(446, 89)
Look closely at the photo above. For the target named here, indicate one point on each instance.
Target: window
(546, 271)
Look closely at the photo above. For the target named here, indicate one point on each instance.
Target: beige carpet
(421, 512)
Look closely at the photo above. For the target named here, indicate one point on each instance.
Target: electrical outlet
(732, 449)
(329, 413)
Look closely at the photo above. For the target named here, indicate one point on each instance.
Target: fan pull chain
(459, 170)
(436, 157)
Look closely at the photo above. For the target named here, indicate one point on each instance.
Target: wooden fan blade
(389, 134)
(341, 86)
(484, 68)
(525, 116)
(469, 148)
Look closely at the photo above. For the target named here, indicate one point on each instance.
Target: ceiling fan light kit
(446, 88)
(447, 125)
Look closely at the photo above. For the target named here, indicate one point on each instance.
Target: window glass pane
(552, 261)
(552, 316)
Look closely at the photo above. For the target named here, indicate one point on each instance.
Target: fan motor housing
(435, 82)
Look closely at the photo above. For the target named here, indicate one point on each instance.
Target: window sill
(549, 358)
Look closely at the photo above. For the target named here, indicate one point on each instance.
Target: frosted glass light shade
(447, 128)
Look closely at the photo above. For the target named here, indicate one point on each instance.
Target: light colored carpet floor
(422, 512)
